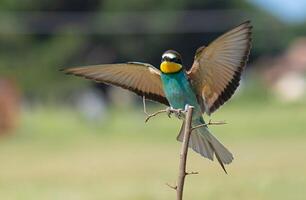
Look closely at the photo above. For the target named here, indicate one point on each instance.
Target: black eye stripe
(176, 60)
(171, 56)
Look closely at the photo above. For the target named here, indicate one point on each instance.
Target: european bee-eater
(211, 81)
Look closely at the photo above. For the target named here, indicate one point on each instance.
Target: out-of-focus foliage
(34, 58)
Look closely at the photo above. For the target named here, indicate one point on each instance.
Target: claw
(180, 113)
(169, 111)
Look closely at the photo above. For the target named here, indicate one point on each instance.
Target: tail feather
(218, 158)
(197, 143)
(204, 143)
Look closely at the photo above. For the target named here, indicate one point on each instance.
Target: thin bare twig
(207, 124)
(184, 151)
(167, 110)
(191, 173)
(172, 187)
(149, 116)
(145, 110)
(183, 154)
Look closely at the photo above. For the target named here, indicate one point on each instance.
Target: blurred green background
(63, 137)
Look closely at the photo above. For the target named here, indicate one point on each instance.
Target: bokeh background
(63, 137)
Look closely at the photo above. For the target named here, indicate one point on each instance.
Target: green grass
(56, 154)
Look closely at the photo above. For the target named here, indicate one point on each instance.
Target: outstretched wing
(141, 78)
(216, 70)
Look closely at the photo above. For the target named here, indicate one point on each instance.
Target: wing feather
(216, 70)
(141, 78)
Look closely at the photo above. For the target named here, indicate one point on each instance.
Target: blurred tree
(40, 37)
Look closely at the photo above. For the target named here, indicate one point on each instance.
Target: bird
(211, 81)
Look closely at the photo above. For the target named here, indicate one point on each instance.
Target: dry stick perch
(183, 155)
(209, 123)
(167, 110)
(184, 151)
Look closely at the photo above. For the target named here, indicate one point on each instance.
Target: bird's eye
(177, 60)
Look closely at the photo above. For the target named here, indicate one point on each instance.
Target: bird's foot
(169, 111)
(179, 113)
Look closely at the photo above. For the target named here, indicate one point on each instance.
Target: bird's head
(171, 62)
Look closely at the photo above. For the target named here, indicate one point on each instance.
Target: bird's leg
(144, 105)
(169, 111)
(180, 114)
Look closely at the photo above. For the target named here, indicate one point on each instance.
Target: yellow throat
(170, 67)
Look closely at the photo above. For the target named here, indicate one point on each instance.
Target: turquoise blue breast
(178, 90)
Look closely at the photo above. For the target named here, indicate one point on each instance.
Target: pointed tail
(204, 143)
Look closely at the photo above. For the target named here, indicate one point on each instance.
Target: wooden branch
(168, 110)
(184, 150)
(183, 155)
(149, 116)
(207, 124)
(172, 187)
(191, 173)
(145, 110)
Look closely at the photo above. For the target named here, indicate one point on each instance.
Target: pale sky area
(290, 11)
